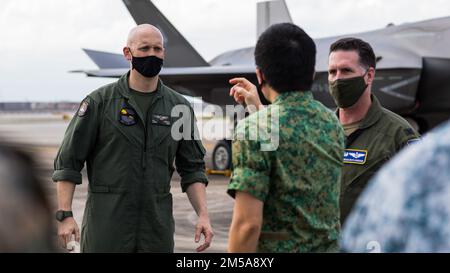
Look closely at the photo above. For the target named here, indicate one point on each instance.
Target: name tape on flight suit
(161, 120)
(352, 156)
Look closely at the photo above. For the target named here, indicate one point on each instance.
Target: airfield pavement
(43, 133)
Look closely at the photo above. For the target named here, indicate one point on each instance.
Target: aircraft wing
(413, 63)
(106, 60)
(210, 83)
(399, 46)
(176, 71)
(402, 46)
(179, 51)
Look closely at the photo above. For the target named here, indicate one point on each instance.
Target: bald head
(144, 40)
(144, 32)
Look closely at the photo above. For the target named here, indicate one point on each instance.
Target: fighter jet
(413, 64)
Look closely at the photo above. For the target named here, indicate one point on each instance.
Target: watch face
(59, 215)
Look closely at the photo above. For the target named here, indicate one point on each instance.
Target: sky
(41, 40)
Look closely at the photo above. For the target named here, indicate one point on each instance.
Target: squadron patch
(409, 131)
(352, 156)
(127, 116)
(83, 109)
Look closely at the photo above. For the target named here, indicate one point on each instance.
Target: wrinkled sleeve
(78, 142)
(251, 168)
(406, 136)
(189, 159)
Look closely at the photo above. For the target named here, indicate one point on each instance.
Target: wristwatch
(62, 214)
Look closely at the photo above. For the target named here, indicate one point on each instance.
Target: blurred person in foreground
(406, 206)
(25, 212)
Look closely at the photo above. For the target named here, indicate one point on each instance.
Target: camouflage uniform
(299, 182)
(405, 208)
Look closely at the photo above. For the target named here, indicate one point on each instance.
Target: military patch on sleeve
(83, 109)
(352, 156)
(412, 141)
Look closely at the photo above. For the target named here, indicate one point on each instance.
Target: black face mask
(149, 66)
(346, 92)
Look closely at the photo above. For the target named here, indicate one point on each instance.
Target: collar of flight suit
(373, 115)
(124, 88)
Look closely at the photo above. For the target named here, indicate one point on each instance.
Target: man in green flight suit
(123, 133)
(286, 195)
(374, 134)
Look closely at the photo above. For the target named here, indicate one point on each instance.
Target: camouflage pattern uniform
(299, 182)
(405, 208)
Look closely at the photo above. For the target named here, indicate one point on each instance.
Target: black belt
(274, 236)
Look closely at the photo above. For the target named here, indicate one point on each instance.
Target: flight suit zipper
(144, 152)
(142, 178)
(144, 167)
(141, 185)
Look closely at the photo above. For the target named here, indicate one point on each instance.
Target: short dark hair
(365, 52)
(286, 56)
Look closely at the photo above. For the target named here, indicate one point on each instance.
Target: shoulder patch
(352, 156)
(83, 108)
(409, 131)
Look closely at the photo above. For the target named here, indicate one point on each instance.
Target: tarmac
(43, 134)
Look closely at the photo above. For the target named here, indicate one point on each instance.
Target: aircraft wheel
(221, 157)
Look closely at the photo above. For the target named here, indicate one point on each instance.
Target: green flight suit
(129, 167)
(380, 136)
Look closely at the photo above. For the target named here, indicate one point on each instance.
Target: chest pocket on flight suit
(122, 121)
(361, 171)
(366, 173)
(118, 145)
(358, 175)
(353, 189)
(162, 147)
(160, 139)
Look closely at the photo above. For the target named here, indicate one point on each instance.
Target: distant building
(38, 106)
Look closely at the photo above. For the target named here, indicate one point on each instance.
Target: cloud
(322, 18)
(42, 40)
